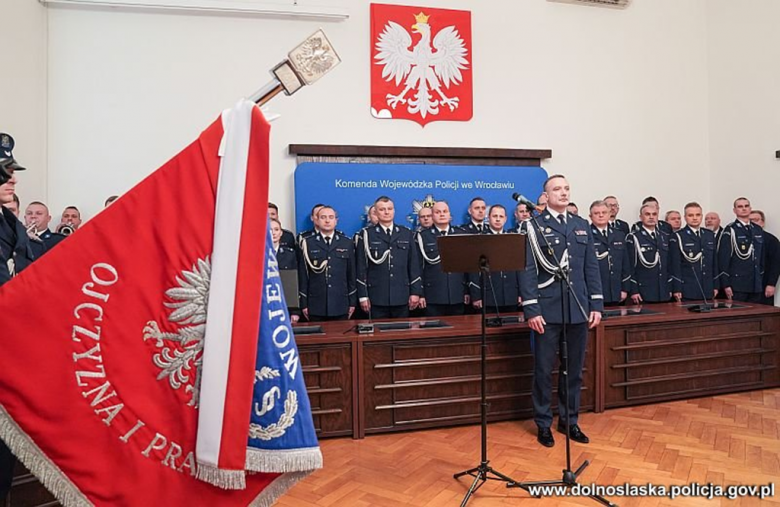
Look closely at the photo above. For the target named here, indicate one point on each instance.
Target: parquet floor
(730, 439)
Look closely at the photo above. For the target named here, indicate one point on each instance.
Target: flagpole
(309, 61)
(267, 92)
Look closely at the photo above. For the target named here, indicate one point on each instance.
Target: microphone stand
(706, 307)
(480, 472)
(569, 477)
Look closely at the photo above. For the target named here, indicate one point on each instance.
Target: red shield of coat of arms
(421, 64)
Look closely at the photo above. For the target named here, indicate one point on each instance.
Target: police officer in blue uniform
(443, 293)
(614, 222)
(771, 257)
(15, 255)
(286, 258)
(424, 217)
(569, 240)
(388, 266)
(741, 257)
(371, 221)
(662, 225)
(522, 215)
(327, 279)
(476, 223)
(692, 258)
(36, 220)
(712, 222)
(503, 287)
(610, 246)
(288, 239)
(15, 251)
(313, 217)
(648, 254)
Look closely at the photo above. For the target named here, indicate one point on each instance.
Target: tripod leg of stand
(479, 480)
(465, 472)
(480, 472)
(581, 468)
(603, 501)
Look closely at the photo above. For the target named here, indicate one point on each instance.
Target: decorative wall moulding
(618, 4)
(324, 9)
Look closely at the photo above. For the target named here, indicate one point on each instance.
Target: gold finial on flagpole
(309, 61)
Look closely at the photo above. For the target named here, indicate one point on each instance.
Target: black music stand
(481, 253)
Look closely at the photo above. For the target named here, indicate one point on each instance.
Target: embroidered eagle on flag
(182, 352)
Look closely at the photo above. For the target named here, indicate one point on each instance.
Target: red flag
(421, 61)
(101, 359)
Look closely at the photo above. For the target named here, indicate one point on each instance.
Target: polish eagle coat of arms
(423, 74)
(180, 354)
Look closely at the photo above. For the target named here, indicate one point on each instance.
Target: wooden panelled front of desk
(424, 378)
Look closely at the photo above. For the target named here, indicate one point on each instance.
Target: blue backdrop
(352, 188)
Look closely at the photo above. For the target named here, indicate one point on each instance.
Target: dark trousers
(7, 462)
(389, 312)
(325, 318)
(443, 310)
(749, 297)
(546, 348)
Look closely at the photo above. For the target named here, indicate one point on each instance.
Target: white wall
(23, 90)
(619, 96)
(744, 75)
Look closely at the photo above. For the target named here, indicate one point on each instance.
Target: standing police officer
(15, 252)
(648, 254)
(388, 266)
(661, 225)
(443, 293)
(15, 255)
(614, 208)
(771, 257)
(712, 222)
(610, 246)
(570, 241)
(288, 239)
(476, 224)
(286, 257)
(522, 215)
(503, 287)
(36, 220)
(326, 276)
(424, 218)
(741, 257)
(314, 221)
(692, 258)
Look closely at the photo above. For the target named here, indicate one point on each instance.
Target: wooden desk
(424, 378)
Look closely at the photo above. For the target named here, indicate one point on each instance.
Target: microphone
(531, 205)
(706, 307)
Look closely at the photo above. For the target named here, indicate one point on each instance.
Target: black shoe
(545, 437)
(575, 433)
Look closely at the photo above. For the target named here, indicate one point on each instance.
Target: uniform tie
(479, 227)
(562, 219)
(327, 240)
